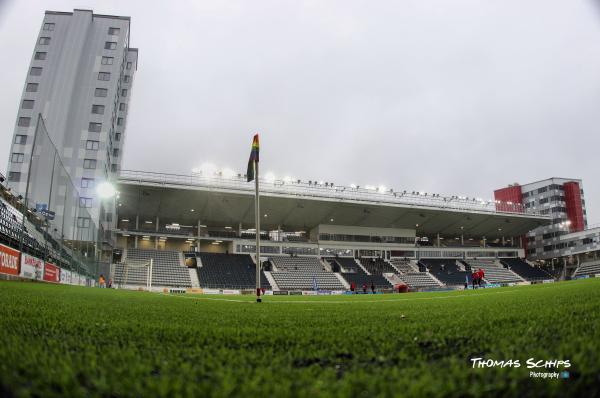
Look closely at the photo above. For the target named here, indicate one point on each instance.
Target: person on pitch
(475, 279)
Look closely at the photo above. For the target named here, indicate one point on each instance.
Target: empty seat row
(590, 268)
(526, 271)
(377, 266)
(287, 280)
(493, 272)
(446, 271)
(228, 271)
(419, 280)
(167, 269)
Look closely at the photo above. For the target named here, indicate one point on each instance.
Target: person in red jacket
(481, 275)
(475, 279)
(364, 288)
(352, 287)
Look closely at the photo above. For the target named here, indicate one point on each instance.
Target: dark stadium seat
(450, 274)
(526, 271)
(377, 266)
(228, 271)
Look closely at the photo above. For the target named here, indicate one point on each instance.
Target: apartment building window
(35, 71)
(98, 109)
(126, 78)
(117, 137)
(40, 55)
(92, 145)
(20, 139)
(101, 92)
(44, 41)
(542, 190)
(89, 164)
(17, 157)
(32, 87)
(87, 183)
(119, 121)
(122, 106)
(113, 168)
(107, 60)
(114, 31)
(128, 65)
(104, 76)
(24, 121)
(27, 104)
(110, 45)
(115, 152)
(85, 202)
(49, 26)
(83, 222)
(95, 127)
(14, 176)
(124, 92)
(545, 200)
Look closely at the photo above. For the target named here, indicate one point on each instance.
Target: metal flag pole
(257, 215)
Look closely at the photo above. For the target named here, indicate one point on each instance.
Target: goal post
(134, 273)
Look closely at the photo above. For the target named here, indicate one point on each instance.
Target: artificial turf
(73, 341)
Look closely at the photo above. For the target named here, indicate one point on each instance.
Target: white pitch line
(512, 290)
(337, 301)
(206, 298)
(380, 301)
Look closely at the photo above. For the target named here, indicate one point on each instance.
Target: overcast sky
(452, 97)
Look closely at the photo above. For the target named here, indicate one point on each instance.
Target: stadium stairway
(353, 271)
(588, 268)
(191, 271)
(342, 280)
(393, 279)
(271, 280)
(403, 266)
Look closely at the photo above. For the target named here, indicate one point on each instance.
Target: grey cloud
(456, 97)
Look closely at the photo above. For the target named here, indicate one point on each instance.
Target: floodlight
(270, 177)
(106, 190)
(208, 169)
(228, 173)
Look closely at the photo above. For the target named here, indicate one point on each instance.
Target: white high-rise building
(79, 80)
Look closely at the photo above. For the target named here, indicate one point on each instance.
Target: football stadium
(218, 282)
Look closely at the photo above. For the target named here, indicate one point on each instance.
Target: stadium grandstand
(317, 235)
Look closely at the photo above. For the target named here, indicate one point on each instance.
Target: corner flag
(252, 162)
(252, 175)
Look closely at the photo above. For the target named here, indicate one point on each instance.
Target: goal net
(133, 273)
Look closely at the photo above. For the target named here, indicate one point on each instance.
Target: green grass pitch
(71, 341)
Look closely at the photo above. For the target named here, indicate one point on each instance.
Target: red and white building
(563, 200)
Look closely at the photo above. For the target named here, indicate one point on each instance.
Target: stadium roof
(219, 202)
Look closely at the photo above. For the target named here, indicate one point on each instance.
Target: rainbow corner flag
(253, 161)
